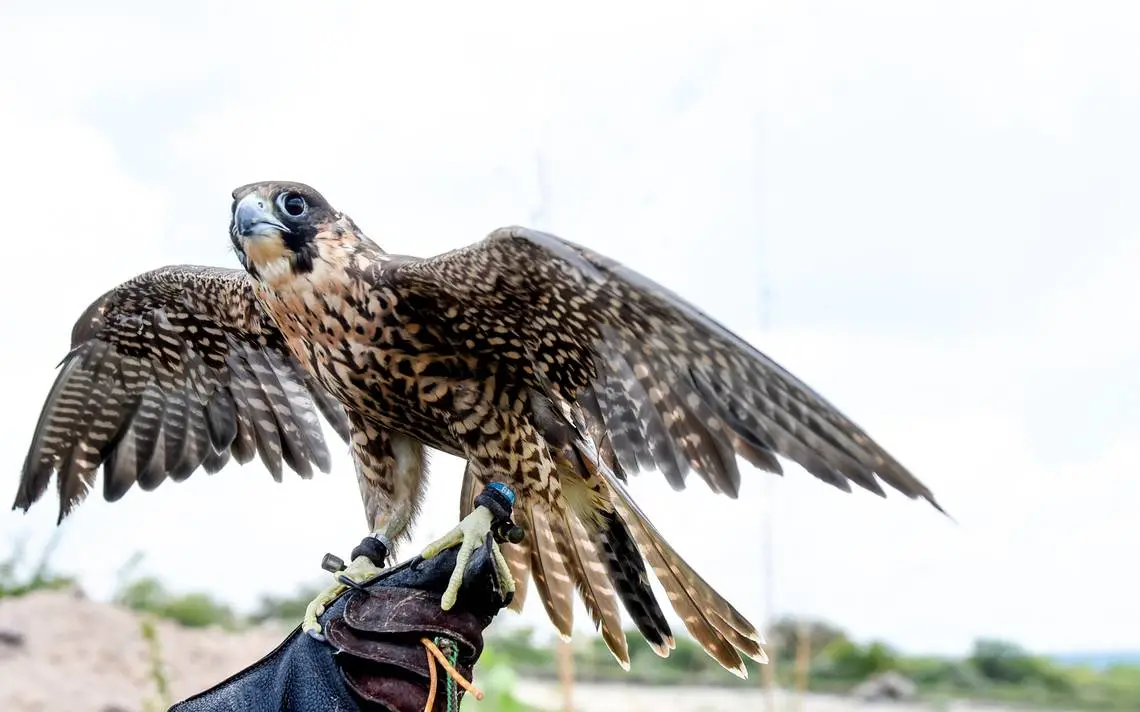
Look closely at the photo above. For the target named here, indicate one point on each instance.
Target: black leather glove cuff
(373, 657)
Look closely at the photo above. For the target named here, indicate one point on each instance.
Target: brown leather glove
(384, 659)
(397, 648)
(374, 657)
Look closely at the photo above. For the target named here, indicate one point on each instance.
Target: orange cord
(435, 652)
(431, 676)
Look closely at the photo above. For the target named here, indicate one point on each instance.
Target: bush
(1007, 663)
(847, 661)
(285, 609)
(194, 610)
(15, 581)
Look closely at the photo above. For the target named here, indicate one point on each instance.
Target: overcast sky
(936, 202)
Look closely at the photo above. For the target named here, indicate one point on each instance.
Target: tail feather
(597, 593)
(696, 622)
(596, 541)
(548, 569)
(751, 647)
(719, 628)
(697, 586)
(585, 495)
(700, 588)
(469, 490)
(518, 558)
(627, 570)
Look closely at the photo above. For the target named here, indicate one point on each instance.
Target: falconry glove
(374, 656)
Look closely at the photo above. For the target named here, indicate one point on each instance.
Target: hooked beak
(254, 218)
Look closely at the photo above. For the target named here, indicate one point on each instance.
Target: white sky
(938, 198)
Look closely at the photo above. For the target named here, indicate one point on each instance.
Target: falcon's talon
(470, 534)
(357, 573)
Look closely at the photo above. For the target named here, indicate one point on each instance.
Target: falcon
(552, 370)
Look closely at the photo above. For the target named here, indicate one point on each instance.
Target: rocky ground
(76, 654)
(59, 651)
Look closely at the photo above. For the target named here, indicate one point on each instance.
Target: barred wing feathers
(673, 389)
(647, 382)
(175, 370)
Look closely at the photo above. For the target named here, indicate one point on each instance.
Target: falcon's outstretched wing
(667, 387)
(175, 369)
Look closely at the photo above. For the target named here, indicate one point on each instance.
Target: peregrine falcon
(548, 367)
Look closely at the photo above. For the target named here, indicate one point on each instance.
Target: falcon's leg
(506, 446)
(390, 471)
(476, 530)
(367, 561)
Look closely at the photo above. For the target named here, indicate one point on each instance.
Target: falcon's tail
(583, 548)
(597, 542)
(712, 621)
(606, 567)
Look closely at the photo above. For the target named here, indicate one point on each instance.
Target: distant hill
(1099, 660)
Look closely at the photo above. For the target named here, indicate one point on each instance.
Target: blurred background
(925, 210)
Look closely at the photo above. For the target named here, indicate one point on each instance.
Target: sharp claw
(315, 610)
(313, 629)
(358, 572)
(470, 535)
(442, 544)
(471, 543)
(503, 569)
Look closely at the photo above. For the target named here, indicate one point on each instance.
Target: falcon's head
(277, 228)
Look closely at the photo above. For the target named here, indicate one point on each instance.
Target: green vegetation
(157, 672)
(193, 610)
(497, 678)
(146, 594)
(286, 609)
(995, 670)
(15, 581)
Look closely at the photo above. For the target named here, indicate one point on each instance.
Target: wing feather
(154, 473)
(648, 382)
(175, 370)
(146, 426)
(676, 390)
(221, 419)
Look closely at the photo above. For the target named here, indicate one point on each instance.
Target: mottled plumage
(545, 365)
(170, 371)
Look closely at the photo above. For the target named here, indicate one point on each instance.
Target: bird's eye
(292, 204)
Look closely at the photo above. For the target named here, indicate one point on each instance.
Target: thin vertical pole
(566, 674)
(803, 661)
(769, 670)
(769, 533)
(540, 217)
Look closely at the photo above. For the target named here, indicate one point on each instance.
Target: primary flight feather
(546, 366)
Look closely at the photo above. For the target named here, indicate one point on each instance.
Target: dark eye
(292, 204)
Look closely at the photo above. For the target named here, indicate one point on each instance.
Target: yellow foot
(470, 534)
(361, 570)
